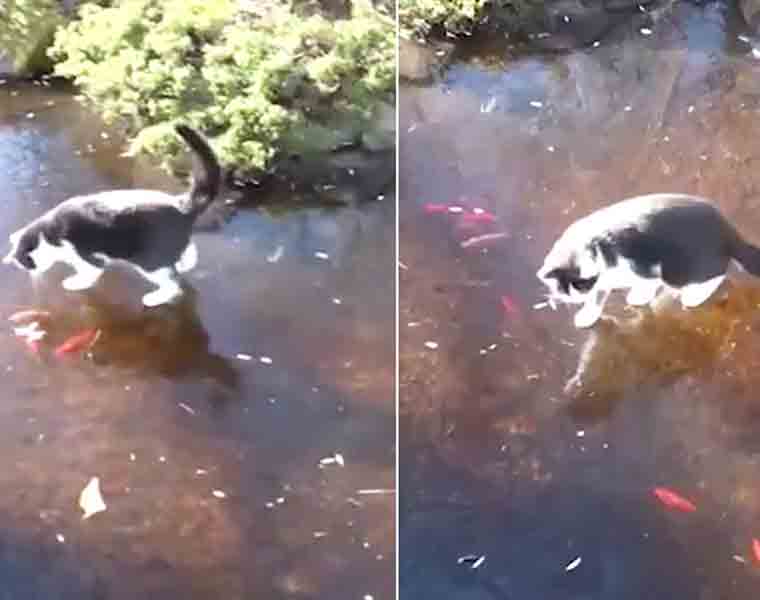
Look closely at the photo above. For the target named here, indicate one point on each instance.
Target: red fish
(78, 343)
(672, 500)
(431, 208)
(756, 548)
(510, 307)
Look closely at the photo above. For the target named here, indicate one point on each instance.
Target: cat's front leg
(644, 292)
(84, 278)
(588, 315)
(80, 282)
(592, 310)
(169, 290)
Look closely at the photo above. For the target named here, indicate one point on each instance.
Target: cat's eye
(583, 285)
(27, 261)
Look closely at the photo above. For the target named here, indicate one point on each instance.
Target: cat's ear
(546, 273)
(14, 238)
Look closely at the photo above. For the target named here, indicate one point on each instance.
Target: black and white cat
(643, 244)
(147, 229)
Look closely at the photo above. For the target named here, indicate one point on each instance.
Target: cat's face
(22, 246)
(570, 275)
(29, 251)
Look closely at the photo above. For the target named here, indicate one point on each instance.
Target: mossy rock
(380, 135)
(27, 32)
(35, 61)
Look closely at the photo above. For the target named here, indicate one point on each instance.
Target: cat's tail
(747, 255)
(207, 173)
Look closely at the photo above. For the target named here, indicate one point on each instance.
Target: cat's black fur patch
(687, 237)
(642, 244)
(150, 236)
(149, 229)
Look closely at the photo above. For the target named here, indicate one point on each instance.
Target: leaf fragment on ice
(90, 499)
(574, 564)
(23, 317)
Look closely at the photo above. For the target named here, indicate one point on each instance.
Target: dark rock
(569, 24)
(750, 10)
(419, 63)
(333, 9)
(625, 5)
(344, 177)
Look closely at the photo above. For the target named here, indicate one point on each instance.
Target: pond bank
(328, 82)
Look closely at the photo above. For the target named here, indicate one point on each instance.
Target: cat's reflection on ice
(653, 347)
(170, 341)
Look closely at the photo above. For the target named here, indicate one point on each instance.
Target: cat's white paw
(79, 282)
(188, 260)
(643, 293)
(161, 296)
(587, 316)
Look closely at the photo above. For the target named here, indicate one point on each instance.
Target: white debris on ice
(335, 459)
(90, 500)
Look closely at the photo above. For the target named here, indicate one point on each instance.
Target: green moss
(418, 18)
(263, 80)
(456, 16)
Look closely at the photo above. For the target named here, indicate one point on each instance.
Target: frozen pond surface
(506, 453)
(206, 423)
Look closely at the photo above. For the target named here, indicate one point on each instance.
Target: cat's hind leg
(696, 276)
(168, 288)
(694, 294)
(189, 258)
(643, 292)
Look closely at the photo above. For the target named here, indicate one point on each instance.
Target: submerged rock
(25, 54)
(750, 10)
(416, 62)
(569, 24)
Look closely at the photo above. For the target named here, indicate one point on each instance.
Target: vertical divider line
(397, 329)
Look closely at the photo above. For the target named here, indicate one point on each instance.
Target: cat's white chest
(623, 276)
(45, 255)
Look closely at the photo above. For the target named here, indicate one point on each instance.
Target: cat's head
(23, 244)
(570, 274)
(29, 250)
